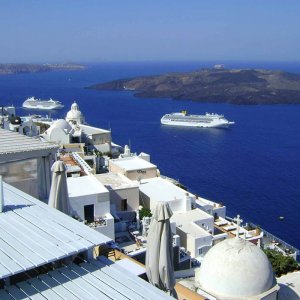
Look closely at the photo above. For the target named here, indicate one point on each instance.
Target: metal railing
(272, 237)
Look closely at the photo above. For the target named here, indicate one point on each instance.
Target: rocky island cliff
(236, 86)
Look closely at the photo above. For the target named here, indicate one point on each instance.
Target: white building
(45, 254)
(196, 229)
(89, 201)
(134, 167)
(73, 130)
(213, 208)
(64, 134)
(194, 220)
(158, 189)
(96, 138)
(123, 193)
(26, 162)
(20, 125)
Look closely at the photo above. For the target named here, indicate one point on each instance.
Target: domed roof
(74, 114)
(234, 269)
(74, 106)
(62, 124)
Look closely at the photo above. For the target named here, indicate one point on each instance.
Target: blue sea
(253, 168)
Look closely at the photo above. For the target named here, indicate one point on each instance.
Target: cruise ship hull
(198, 121)
(42, 107)
(198, 125)
(33, 103)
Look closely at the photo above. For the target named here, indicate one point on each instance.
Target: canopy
(159, 255)
(59, 197)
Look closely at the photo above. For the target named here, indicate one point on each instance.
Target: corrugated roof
(33, 234)
(13, 142)
(97, 279)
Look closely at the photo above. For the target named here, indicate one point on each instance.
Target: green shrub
(145, 212)
(281, 264)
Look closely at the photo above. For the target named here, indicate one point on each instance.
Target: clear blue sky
(137, 30)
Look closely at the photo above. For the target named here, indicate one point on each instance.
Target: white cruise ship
(186, 120)
(42, 104)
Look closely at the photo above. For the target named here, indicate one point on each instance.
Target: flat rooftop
(85, 185)
(34, 234)
(132, 163)
(115, 181)
(186, 221)
(159, 189)
(92, 130)
(194, 230)
(71, 164)
(192, 215)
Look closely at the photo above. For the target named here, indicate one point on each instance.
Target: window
(23, 175)
(123, 204)
(89, 213)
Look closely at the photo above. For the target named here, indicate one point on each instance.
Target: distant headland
(235, 86)
(34, 68)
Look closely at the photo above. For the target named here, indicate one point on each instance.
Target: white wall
(175, 205)
(196, 243)
(221, 211)
(100, 201)
(145, 201)
(101, 141)
(109, 228)
(131, 194)
(58, 135)
(204, 206)
(133, 174)
(183, 237)
(103, 147)
(141, 174)
(206, 223)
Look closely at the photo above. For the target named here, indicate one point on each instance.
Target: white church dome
(75, 114)
(74, 106)
(235, 269)
(62, 124)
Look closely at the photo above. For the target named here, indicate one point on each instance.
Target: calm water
(253, 167)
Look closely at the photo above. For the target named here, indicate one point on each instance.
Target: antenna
(129, 144)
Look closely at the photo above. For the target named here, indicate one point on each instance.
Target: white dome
(75, 114)
(62, 124)
(234, 269)
(74, 106)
